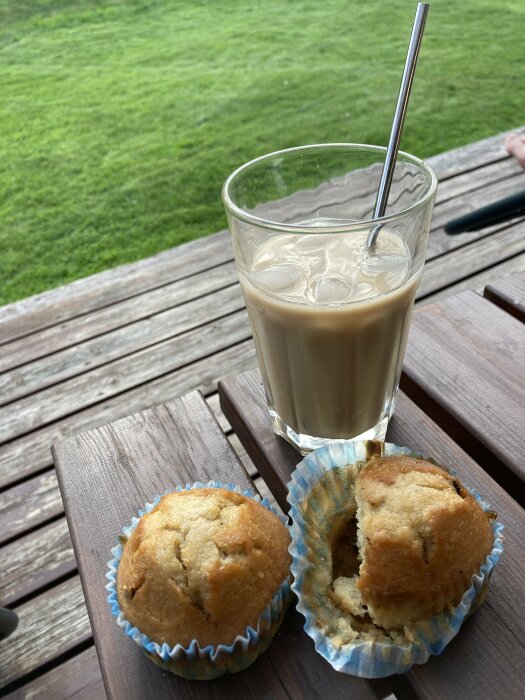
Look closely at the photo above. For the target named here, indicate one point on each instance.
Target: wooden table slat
(471, 156)
(243, 402)
(24, 456)
(57, 305)
(485, 175)
(29, 504)
(478, 281)
(509, 293)
(122, 344)
(78, 678)
(465, 365)
(116, 315)
(31, 412)
(448, 269)
(50, 625)
(34, 561)
(214, 403)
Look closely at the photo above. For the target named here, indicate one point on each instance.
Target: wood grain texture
(214, 403)
(471, 156)
(484, 175)
(34, 561)
(478, 281)
(34, 643)
(108, 287)
(465, 262)
(81, 391)
(465, 365)
(29, 504)
(106, 474)
(118, 344)
(509, 293)
(116, 315)
(32, 452)
(76, 679)
(440, 242)
(242, 455)
(243, 404)
(479, 658)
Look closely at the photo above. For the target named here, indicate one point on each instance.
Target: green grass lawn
(120, 120)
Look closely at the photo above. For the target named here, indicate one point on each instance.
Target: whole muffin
(203, 565)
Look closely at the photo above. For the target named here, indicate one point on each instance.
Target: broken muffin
(393, 546)
(421, 537)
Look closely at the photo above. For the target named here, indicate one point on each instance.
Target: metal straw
(399, 118)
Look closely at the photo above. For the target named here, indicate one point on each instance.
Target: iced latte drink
(330, 317)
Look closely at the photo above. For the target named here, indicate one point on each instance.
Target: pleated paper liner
(192, 661)
(311, 569)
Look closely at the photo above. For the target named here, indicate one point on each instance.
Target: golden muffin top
(402, 539)
(203, 564)
(422, 536)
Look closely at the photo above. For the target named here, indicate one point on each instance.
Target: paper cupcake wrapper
(193, 661)
(371, 659)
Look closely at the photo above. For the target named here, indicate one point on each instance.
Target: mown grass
(120, 120)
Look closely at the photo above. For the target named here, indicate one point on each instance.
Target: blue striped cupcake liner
(370, 659)
(194, 662)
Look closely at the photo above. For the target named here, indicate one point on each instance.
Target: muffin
(206, 569)
(390, 553)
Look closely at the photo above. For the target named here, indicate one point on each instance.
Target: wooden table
(455, 365)
(130, 338)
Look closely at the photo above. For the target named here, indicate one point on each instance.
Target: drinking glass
(330, 317)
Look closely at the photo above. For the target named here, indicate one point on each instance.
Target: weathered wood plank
(33, 643)
(117, 344)
(478, 281)
(29, 504)
(456, 265)
(108, 287)
(463, 365)
(462, 184)
(275, 459)
(480, 656)
(34, 561)
(263, 489)
(77, 678)
(31, 412)
(214, 405)
(105, 474)
(471, 156)
(440, 242)
(95, 323)
(242, 455)
(213, 402)
(509, 293)
(30, 453)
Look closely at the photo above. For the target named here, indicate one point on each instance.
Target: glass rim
(245, 216)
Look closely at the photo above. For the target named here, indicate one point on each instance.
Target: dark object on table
(495, 213)
(8, 622)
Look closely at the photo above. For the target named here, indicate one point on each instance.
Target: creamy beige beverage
(330, 322)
